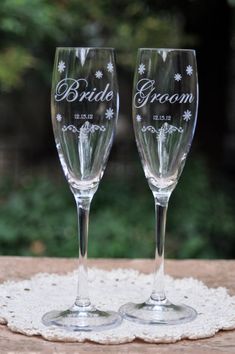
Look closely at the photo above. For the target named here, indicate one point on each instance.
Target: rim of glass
(169, 49)
(107, 48)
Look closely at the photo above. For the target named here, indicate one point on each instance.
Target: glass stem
(83, 210)
(158, 293)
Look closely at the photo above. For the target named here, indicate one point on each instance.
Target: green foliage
(39, 218)
(14, 61)
(28, 28)
(201, 214)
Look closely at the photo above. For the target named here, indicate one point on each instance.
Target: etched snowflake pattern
(61, 66)
(178, 77)
(59, 117)
(110, 67)
(187, 115)
(109, 113)
(99, 74)
(189, 70)
(138, 118)
(141, 69)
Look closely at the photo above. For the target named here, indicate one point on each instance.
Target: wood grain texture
(213, 273)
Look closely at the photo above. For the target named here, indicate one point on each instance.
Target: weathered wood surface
(213, 273)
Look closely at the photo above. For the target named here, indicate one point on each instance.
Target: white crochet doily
(23, 303)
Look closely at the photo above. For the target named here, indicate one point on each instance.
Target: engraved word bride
(71, 90)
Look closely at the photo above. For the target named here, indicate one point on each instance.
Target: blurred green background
(37, 211)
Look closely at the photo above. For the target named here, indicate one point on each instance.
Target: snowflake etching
(61, 66)
(189, 70)
(109, 113)
(138, 118)
(98, 74)
(110, 67)
(178, 77)
(58, 117)
(187, 115)
(141, 69)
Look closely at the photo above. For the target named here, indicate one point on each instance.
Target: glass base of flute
(158, 312)
(82, 318)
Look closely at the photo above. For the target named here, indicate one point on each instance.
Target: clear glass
(84, 109)
(165, 103)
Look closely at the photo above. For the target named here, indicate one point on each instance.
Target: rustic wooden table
(213, 273)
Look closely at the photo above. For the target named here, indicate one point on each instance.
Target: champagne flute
(84, 109)
(165, 102)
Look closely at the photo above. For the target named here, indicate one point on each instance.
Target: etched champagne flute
(165, 102)
(84, 109)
